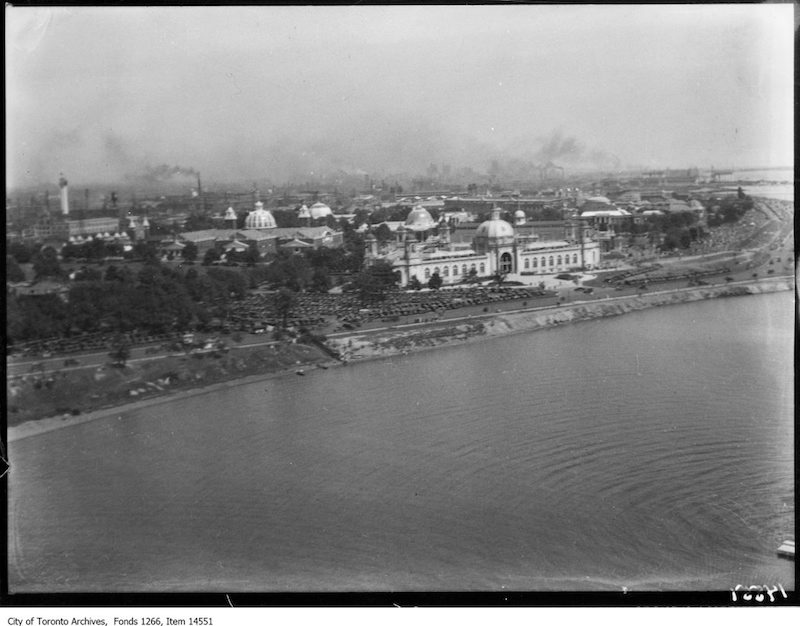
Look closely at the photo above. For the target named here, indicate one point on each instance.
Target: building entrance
(506, 265)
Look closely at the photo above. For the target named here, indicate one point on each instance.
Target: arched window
(472, 267)
(427, 273)
(558, 260)
(455, 270)
(535, 262)
(435, 270)
(574, 258)
(464, 269)
(551, 261)
(446, 271)
(483, 268)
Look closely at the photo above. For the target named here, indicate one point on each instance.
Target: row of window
(445, 271)
(528, 263)
(535, 264)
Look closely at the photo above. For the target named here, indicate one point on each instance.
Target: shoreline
(390, 342)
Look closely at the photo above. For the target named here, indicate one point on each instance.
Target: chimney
(62, 182)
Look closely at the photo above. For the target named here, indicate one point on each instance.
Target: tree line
(156, 299)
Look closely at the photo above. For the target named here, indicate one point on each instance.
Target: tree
(14, 273)
(198, 222)
(285, 301)
(211, 255)
(189, 252)
(373, 283)
(146, 251)
(435, 281)
(113, 273)
(88, 273)
(320, 280)
(383, 233)
(290, 270)
(414, 284)
(45, 263)
(20, 252)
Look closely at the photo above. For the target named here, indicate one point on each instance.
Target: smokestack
(62, 182)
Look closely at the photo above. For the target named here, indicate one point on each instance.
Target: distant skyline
(287, 93)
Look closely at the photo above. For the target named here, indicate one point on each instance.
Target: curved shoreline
(389, 342)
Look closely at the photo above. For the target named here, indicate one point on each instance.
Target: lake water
(653, 451)
(774, 192)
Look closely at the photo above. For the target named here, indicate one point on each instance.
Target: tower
(371, 246)
(230, 218)
(62, 182)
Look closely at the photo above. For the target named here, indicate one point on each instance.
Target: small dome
(303, 212)
(519, 217)
(260, 219)
(495, 228)
(230, 214)
(420, 219)
(320, 209)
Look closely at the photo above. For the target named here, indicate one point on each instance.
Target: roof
(606, 213)
(599, 200)
(238, 245)
(296, 243)
(203, 235)
(310, 232)
(258, 235)
(546, 245)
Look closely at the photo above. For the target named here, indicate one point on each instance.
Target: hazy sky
(271, 92)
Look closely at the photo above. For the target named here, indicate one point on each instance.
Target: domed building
(303, 213)
(319, 210)
(519, 217)
(496, 248)
(260, 219)
(419, 220)
(494, 232)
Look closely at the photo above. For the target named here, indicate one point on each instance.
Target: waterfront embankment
(43, 399)
(401, 340)
(113, 388)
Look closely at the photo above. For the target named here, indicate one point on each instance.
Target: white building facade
(496, 248)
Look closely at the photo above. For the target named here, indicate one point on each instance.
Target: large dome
(420, 219)
(260, 219)
(320, 209)
(495, 229)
